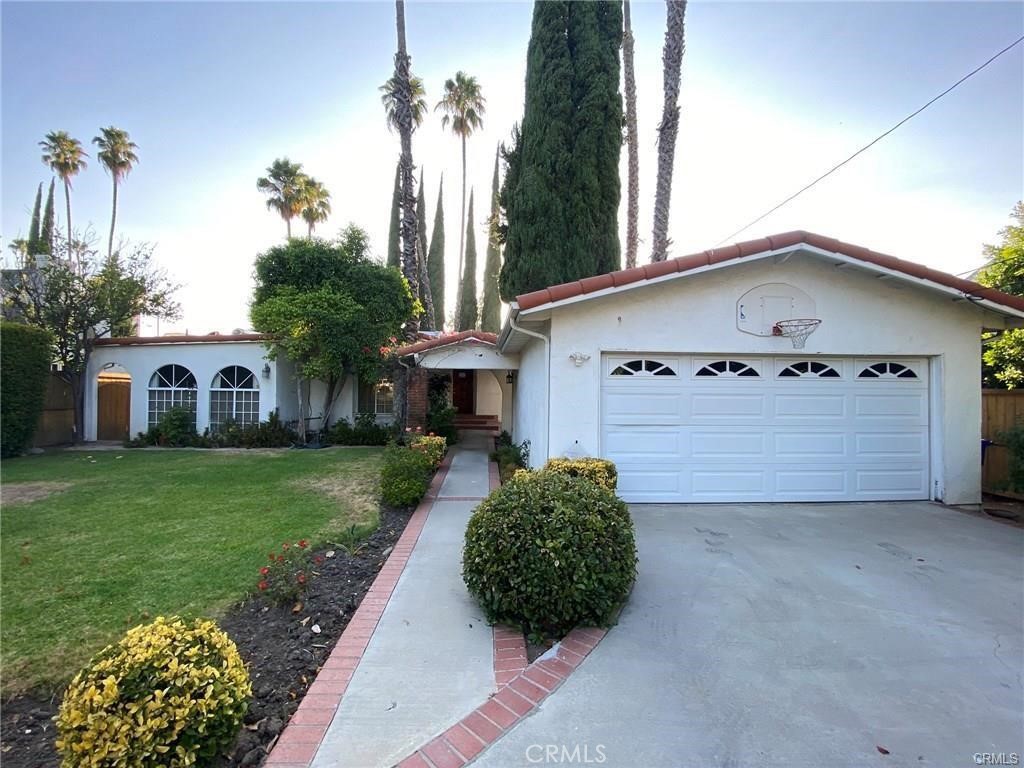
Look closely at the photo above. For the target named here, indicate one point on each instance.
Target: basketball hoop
(796, 330)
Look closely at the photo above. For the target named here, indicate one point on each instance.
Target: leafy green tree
(34, 236)
(19, 247)
(330, 309)
(468, 305)
(1003, 358)
(668, 129)
(66, 158)
(117, 154)
(25, 362)
(561, 191)
(435, 259)
(463, 105)
(394, 238)
(490, 312)
(46, 234)
(82, 297)
(283, 186)
(316, 204)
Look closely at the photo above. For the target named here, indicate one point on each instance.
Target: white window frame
(242, 384)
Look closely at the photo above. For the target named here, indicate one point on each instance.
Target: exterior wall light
(579, 358)
(266, 370)
(510, 376)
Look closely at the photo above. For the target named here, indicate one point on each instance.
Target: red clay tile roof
(445, 339)
(123, 341)
(749, 248)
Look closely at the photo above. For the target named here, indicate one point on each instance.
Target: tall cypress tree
(46, 234)
(394, 244)
(421, 232)
(490, 312)
(562, 189)
(435, 259)
(468, 305)
(34, 238)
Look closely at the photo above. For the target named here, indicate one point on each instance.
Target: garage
(734, 428)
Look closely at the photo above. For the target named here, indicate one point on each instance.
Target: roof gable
(445, 340)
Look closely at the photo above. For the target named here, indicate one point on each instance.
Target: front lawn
(94, 543)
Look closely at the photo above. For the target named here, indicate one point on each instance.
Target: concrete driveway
(799, 635)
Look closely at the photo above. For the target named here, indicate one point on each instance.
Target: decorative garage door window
(887, 371)
(172, 386)
(643, 367)
(235, 395)
(727, 368)
(811, 369)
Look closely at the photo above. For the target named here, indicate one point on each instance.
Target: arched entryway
(113, 403)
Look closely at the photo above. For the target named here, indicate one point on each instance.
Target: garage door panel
(805, 444)
(810, 406)
(717, 436)
(728, 444)
(624, 444)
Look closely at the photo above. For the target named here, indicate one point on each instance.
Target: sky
(773, 94)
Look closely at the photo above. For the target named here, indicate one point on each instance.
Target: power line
(866, 147)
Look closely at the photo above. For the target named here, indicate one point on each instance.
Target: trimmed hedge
(25, 359)
(171, 693)
(600, 471)
(405, 476)
(548, 552)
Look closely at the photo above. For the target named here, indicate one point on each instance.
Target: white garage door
(733, 428)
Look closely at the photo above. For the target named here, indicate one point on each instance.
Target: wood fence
(57, 421)
(1001, 409)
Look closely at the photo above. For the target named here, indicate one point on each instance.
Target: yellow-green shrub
(432, 446)
(600, 471)
(171, 693)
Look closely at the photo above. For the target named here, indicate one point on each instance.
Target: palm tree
(117, 153)
(388, 93)
(403, 114)
(19, 247)
(463, 107)
(66, 158)
(633, 184)
(672, 63)
(316, 203)
(283, 186)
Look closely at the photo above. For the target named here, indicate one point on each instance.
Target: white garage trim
(730, 428)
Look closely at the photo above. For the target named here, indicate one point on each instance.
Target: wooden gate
(1001, 409)
(113, 406)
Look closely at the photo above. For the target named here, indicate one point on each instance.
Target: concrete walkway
(798, 635)
(430, 659)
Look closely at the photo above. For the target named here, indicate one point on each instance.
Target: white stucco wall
(466, 355)
(530, 418)
(204, 359)
(488, 393)
(861, 315)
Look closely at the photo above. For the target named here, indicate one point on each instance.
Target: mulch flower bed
(283, 650)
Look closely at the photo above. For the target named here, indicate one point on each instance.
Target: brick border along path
(300, 739)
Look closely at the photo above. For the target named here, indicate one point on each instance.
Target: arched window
(887, 371)
(172, 386)
(727, 368)
(810, 369)
(643, 367)
(235, 395)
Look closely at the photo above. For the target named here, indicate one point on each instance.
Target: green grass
(154, 533)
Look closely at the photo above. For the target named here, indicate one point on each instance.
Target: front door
(114, 407)
(463, 391)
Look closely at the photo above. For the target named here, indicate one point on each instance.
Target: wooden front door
(113, 408)
(463, 392)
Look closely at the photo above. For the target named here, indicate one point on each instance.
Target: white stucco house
(676, 371)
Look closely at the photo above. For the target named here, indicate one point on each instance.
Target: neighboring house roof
(445, 340)
(784, 241)
(213, 338)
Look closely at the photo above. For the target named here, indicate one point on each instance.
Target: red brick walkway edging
(301, 738)
(464, 741)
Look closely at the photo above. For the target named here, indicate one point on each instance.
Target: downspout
(547, 376)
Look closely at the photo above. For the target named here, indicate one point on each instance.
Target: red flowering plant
(287, 573)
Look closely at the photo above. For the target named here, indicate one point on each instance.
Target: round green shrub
(171, 693)
(405, 477)
(549, 552)
(600, 471)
